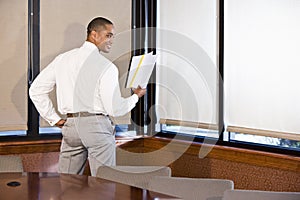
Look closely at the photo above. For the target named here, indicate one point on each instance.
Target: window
(36, 40)
(187, 72)
(260, 71)
(13, 64)
(70, 32)
(260, 64)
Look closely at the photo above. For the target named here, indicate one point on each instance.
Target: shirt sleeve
(39, 94)
(114, 104)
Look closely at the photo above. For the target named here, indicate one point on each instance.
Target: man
(88, 93)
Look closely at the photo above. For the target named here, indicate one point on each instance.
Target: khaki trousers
(89, 137)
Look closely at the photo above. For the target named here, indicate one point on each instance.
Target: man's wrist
(136, 97)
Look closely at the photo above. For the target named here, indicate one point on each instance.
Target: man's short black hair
(96, 23)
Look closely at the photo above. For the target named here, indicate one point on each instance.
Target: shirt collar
(89, 45)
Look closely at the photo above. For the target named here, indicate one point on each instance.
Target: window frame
(142, 12)
(221, 127)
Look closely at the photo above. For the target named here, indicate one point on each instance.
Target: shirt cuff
(54, 120)
(135, 98)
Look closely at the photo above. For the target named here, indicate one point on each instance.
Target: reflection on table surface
(54, 186)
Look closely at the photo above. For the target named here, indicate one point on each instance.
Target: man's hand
(60, 123)
(139, 91)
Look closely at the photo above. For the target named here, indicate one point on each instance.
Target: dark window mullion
(144, 16)
(138, 22)
(221, 70)
(34, 61)
(151, 118)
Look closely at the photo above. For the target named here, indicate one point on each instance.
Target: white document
(140, 70)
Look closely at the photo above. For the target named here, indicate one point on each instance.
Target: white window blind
(63, 27)
(13, 64)
(262, 67)
(187, 76)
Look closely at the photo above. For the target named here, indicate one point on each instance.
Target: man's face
(104, 38)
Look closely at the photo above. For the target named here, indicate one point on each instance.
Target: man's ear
(93, 34)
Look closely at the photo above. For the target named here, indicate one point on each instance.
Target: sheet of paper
(141, 68)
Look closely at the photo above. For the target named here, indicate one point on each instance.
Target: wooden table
(53, 186)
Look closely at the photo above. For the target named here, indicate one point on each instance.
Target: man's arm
(111, 97)
(39, 94)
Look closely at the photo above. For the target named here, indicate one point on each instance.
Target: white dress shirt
(85, 82)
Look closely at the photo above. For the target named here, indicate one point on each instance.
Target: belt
(83, 114)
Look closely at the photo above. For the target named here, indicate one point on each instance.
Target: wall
(253, 170)
(247, 168)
